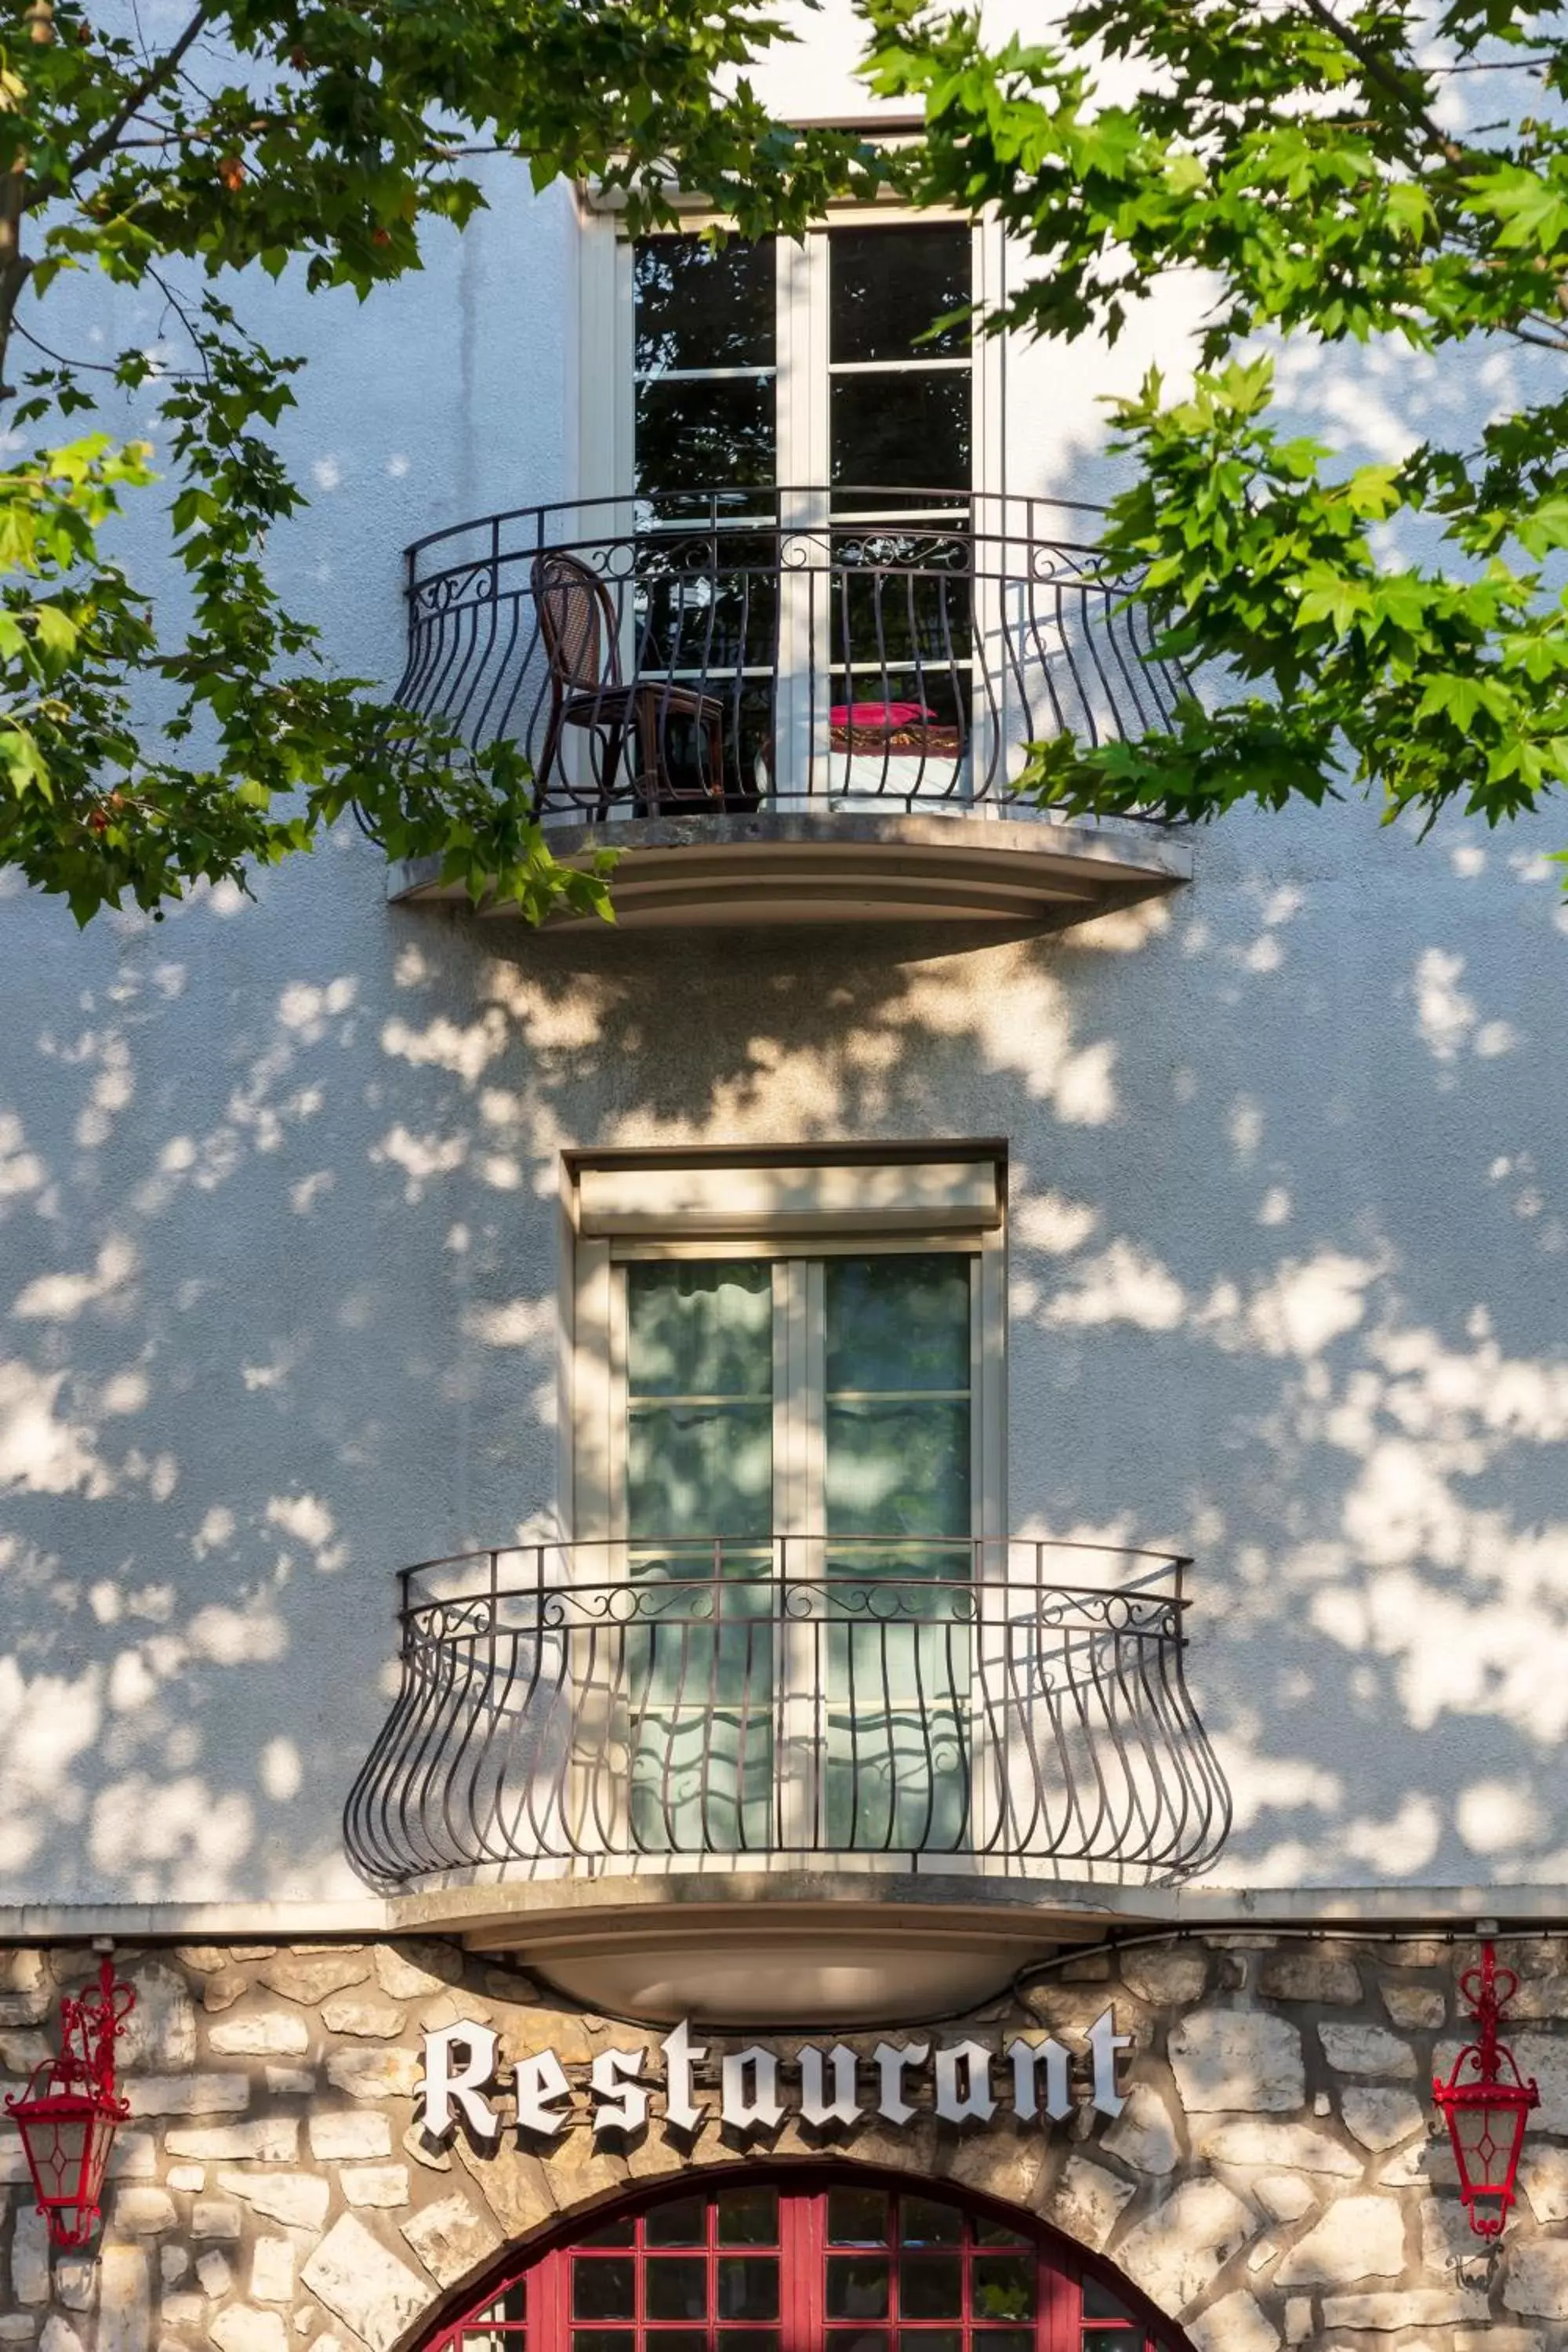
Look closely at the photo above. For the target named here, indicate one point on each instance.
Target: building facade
(828, 1618)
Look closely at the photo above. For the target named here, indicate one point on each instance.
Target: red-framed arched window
(812, 2259)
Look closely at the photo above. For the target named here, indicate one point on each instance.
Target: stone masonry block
(1089, 2202)
(1225, 2058)
(452, 2238)
(1234, 2323)
(1176, 2254)
(1311, 1975)
(276, 2034)
(353, 2135)
(370, 2289)
(1357, 2238)
(1365, 2050)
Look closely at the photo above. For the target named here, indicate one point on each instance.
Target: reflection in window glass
(682, 2223)
(888, 286)
(748, 2286)
(856, 2216)
(901, 432)
(602, 2287)
(748, 2217)
(703, 305)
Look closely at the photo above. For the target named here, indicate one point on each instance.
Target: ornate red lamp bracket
(1485, 2101)
(71, 2109)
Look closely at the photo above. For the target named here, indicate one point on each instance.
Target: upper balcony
(799, 705)
(830, 1729)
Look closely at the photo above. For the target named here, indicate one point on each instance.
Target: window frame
(941, 1198)
(537, 2273)
(607, 347)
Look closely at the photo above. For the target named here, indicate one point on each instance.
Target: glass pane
(1112, 2339)
(602, 2286)
(905, 432)
(699, 1470)
(930, 2339)
(1004, 2339)
(602, 2339)
(1098, 2303)
(748, 2339)
(900, 1469)
(680, 2339)
(748, 2217)
(856, 2216)
(858, 2339)
(702, 305)
(1004, 2286)
(898, 1323)
(715, 433)
(856, 2286)
(700, 1330)
(994, 2233)
(748, 2286)
(923, 2222)
(609, 2234)
(930, 2286)
(682, 2223)
(676, 2286)
(887, 286)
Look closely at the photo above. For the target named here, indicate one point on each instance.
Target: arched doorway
(804, 2258)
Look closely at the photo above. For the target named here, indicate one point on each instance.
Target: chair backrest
(577, 622)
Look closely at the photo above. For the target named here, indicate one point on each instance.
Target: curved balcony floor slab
(854, 867)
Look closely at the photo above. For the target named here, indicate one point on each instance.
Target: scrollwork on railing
(1021, 1705)
(732, 648)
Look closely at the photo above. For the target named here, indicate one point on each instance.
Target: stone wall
(1271, 2179)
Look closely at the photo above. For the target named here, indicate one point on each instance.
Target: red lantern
(69, 2113)
(1485, 2101)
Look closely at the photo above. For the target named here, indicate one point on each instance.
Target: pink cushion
(878, 714)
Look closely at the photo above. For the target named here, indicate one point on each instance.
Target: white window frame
(607, 367)
(788, 1208)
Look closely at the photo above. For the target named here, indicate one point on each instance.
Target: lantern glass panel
(1487, 2137)
(57, 2143)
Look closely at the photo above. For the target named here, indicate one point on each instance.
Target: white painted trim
(935, 1196)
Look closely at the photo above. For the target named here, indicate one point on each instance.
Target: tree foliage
(326, 136)
(1382, 172)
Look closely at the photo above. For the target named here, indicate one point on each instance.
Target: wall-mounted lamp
(70, 2110)
(1485, 2101)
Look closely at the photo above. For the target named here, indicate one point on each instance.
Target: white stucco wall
(279, 1238)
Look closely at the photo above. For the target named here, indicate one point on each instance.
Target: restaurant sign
(832, 2089)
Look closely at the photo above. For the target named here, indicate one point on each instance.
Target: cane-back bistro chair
(577, 624)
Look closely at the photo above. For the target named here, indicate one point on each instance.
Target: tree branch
(1387, 77)
(97, 148)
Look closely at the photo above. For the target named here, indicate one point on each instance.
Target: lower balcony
(816, 1777)
(798, 705)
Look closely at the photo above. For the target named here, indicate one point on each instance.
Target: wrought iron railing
(1020, 1704)
(735, 648)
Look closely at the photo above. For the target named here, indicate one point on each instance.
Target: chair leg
(546, 762)
(715, 731)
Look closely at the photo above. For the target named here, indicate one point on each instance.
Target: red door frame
(540, 2260)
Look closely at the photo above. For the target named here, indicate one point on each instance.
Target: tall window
(759, 2265)
(738, 388)
(799, 1478)
(804, 463)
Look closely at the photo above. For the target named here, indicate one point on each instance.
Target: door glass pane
(888, 286)
(748, 2217)
(710, 434)
(705, 471)
(698, 1650)
(702, 305)
(901, 432)
(603, 2286)
(899, 1646)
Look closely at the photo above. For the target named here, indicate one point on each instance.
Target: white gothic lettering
(755, 2088)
